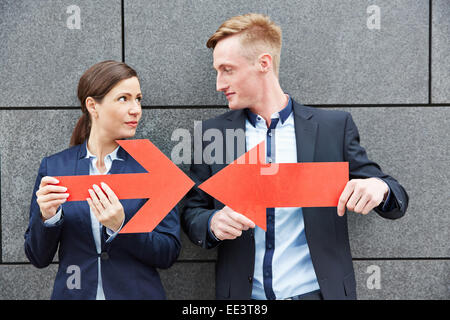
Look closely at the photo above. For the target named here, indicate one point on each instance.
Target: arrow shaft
(305, 184)
(316, 184)
(249, 188)
(77, 186)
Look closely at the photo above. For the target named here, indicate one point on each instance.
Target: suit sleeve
(159, 248)
(361, 167)
(41, 240)
(199, 207)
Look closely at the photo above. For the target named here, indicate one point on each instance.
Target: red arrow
(242, 186)
(164, 185)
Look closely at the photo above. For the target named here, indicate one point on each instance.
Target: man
(305, 253)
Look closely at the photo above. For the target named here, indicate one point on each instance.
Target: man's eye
(123, 98)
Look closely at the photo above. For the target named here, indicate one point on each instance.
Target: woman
(94, 261)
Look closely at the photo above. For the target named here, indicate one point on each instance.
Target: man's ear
(91, 105)
(265, 62)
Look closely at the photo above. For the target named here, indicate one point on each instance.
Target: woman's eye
(123, 98)
(139, 99)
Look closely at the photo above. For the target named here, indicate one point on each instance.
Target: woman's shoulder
(69, 153)
(61, 162)
(64, 159)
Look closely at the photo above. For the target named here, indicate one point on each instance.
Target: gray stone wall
(395, 81)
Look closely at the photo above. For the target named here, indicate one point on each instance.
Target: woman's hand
(106, 207)
(50, 197)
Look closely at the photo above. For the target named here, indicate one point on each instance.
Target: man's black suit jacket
(321, 136)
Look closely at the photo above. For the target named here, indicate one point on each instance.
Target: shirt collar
(113, 155)
(284, 113)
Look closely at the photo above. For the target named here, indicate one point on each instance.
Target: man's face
(237, 77)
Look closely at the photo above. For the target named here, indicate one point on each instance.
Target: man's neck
(272, 101)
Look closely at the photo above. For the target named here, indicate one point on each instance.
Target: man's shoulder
(220, 119)
(320, 114)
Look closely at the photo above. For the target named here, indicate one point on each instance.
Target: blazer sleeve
(159, 248)
(41, 241)
(361, 167)
(163, 244)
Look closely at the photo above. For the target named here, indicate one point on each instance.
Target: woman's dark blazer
(128, 262)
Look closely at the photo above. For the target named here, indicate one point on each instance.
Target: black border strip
(430, 36)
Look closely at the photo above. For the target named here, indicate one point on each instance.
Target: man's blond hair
(258, 34)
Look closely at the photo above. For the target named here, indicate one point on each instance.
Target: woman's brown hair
(96, 82)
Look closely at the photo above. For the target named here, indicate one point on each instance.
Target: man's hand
(227, 224)
(362, 195)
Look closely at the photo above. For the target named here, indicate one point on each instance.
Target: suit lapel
(119, 166)
(81, 207)
(305, 133)
(235, 121)
(306, 136)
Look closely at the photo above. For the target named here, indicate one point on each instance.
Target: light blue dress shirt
(283, 266)
(96, 226)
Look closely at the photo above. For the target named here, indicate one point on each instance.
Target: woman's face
(118, 115)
